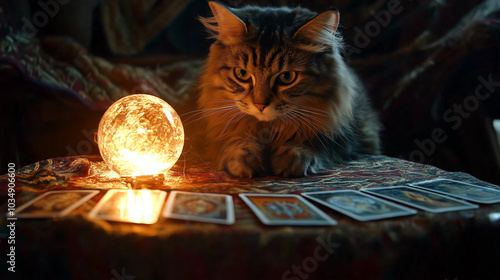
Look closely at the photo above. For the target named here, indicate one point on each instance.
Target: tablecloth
(453, 245)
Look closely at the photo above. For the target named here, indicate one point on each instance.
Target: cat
(276, 97)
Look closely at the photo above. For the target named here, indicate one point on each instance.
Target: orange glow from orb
(137, 207)
(140, 135)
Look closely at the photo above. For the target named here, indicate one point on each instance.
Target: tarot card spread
(461, 190)
(285, 209)
(421, 199)
(54, 204)
(133, 206)
(201, 207)
(359, 206)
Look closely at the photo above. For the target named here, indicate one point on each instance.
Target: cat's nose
(260, 106)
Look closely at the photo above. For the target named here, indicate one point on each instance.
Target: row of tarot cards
(436, 196)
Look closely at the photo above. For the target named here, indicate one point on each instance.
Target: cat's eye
(242, 74)
(287, 77)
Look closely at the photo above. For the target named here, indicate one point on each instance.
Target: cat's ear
(230, 27)
(320, 31)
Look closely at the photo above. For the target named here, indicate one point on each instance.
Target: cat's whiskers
(227, 112)
(315, 111)
(296, 121)
(305, 119)
(230, 107)
(201, 111)
(223, 100)
(311, 115)
(216, 108)
(229, 101)
(312, 118)
(310, 122)
(243, 116)
(322, 133)
(204, 113)
(240, 114)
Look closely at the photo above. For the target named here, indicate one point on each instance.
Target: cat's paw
(294, 161)
(242, 159)
(238, 169)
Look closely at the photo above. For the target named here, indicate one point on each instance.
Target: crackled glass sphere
(140, 135)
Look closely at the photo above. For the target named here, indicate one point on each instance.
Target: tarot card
(286, 209)
(54, 204)
(132, 206)
(461, 190)
(358, 205)
(201, 207)
(421, 199)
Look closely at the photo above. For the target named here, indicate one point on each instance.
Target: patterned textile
(420, 60)
(187, 174)
(60, 62)
(461, 244)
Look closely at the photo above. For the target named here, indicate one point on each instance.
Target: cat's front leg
(293, 160)
(242, 157)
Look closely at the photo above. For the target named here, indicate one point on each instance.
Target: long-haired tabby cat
(276, 96)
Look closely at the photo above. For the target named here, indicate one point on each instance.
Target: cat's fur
(276, 96)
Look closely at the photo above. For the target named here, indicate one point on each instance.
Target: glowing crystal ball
(140, 135)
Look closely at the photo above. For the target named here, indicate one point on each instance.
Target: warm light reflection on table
(134, 206)
(137, 207)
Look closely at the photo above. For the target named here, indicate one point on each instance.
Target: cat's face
(266, 84)
(266, 62)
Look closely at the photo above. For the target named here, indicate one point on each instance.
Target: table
(452, 245)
